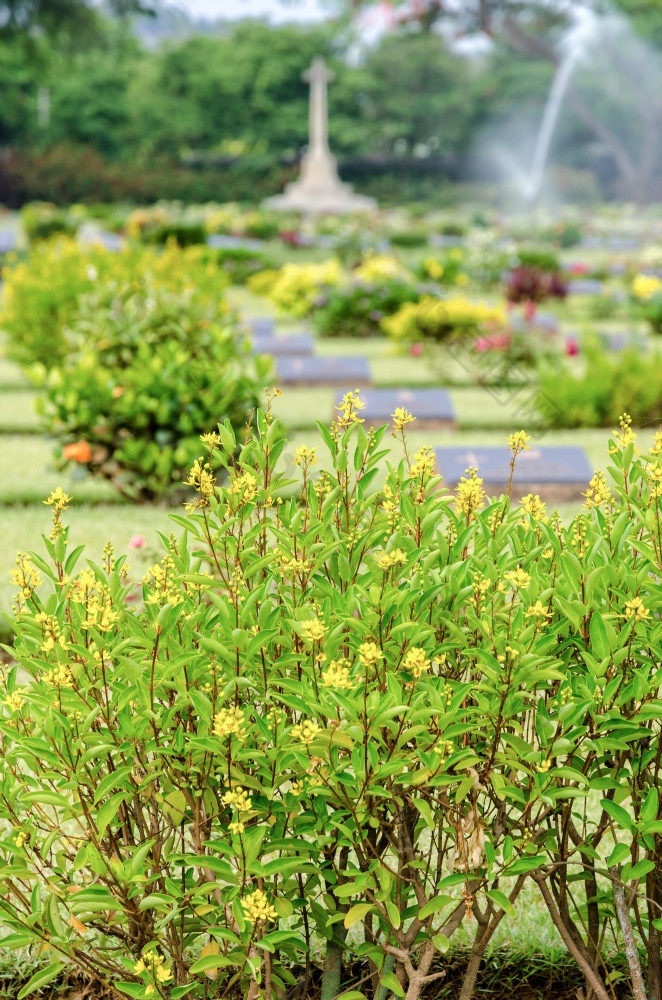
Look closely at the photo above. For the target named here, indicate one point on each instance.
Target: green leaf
(181, 991)
(132, 989)
(433, 905)
(501, 901)
(620, 853)
(598, 632)
(618, 813)
(356, 913)
(41, 978)
(209, 962)
(390, 981)
(641, 868)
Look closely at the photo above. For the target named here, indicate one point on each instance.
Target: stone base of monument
(311, 371)
(558, 473)
(336, 199)
(432, 408)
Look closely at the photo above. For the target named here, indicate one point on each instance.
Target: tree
(57, 18)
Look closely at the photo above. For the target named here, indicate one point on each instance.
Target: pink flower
(416, 350)
(571, 347)
(578, 268)
(136, 542)
(530, 311)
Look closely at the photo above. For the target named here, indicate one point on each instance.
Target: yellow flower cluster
(15, 701)
(257, 907)
(518, 442)
(433, 268)
(538, 610)
(424, 463)
(646, 286)
(656, 446)
(337, 675)
(305, 456)
(598, 492)
(387, 560)
(58, 500)
(305, 731)
(470, 495)
(239, 798)
(312, 630)
(378, 267)
(161, 583)
(518, 577)
(229, 722)
(534, 506)
(25, 576)
(201, 478)
(244, 487)
(624, 435)
(50, 632)
(60, 676)
(438, 317)
(636, 609)
(348, 408)
(20, 838)
(401, 417)
(154, 965)
(99, 611)
(370, 654)
(296, 286)
(416, 662)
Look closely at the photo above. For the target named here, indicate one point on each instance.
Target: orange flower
(80, 451)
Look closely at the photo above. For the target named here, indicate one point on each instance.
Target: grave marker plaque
(299, 344)
(313, 370)
(559, 473)
(432, 408)
(586, 286)
(262, 326)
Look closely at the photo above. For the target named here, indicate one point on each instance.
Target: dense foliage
(353, 720)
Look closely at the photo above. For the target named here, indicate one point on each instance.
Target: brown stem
(590, 974)
(631, 952)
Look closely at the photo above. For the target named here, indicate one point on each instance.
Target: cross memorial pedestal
(319, 188)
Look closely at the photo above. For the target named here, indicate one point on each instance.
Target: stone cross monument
(319, 188)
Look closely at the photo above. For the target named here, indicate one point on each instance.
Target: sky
(276, 10)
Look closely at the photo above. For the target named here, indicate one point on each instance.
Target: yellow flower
(15, 701)
(415, 661)
(244, 487)
(369, 654)
(598, 492)
(519, 441)
(377, 267)
(548, 553)
(236, 826)
(424, 462)
(312, 630)
(625, 435)
(239, 798)
(387, 560)
(58, 499)
(401, 417)
(646, 286)
(348, 408)
(337, 675)
(60, 676)
(534, 506)
(25, 576)
(229, 722)
(257, 907)
(538, 610)
(305, 456)
(470, 494)
(544, 767)
(201, 479)
(433, 268)
(636, 609)
(211, 440)
(518, 577)
(462, 280)
(305, 731)
(139, 967)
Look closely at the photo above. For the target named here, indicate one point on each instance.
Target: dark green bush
(610, 384)
(410, 238)
(357, 309)
(184, 234)
(146, 371)
(240, 264)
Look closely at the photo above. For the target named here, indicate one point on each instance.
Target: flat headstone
(547, 322)
(7, 240)
(557, 472)
(586, 286)
(442, 241)
(313, 370)
(432, 408)
(223, 241)
(298, 344)
(623, 339)
(262, 326)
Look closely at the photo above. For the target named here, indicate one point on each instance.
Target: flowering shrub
(356, 308)
(41, 220)
(297, 286)
(41, 296)
(438, 319)
(147, 369)
(532, 284)
(646, 297)
(444, 270)
(355, 721)
(602, 389)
